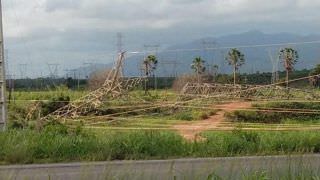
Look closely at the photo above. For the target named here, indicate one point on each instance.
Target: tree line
(235, 58)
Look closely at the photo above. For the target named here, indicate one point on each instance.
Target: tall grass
(53, 145)
(278, 117)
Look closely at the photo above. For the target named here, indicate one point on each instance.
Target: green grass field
(148, 134)
(57, 144)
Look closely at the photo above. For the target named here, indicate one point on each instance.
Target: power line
(230, 47)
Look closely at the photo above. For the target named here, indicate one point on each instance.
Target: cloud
(122, 15)
(78, 29)
(55, 5)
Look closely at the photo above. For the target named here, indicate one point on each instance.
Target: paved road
(230, 168)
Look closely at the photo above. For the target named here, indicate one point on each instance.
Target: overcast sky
(72, 32)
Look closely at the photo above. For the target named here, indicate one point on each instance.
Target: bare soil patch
(191, 131)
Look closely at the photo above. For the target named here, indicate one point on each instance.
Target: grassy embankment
(58, 144)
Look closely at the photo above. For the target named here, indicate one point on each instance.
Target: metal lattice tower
(114, 86)
(169, 64)
(275, 68)
(206, 45)
(152, 49)
(253, 92)
(23, 68)
(92, 67)
(3, 116)
(119, 42)
(53, 70)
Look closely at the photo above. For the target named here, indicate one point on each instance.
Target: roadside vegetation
(57, 143)
(24, 143)
(300, 112)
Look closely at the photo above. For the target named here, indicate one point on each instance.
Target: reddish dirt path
(191, 131)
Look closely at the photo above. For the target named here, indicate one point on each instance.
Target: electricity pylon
(275, 68)
(114, 86)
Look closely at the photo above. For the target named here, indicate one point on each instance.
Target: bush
(54, 104)
(255, 117)
(187, 116)
(290, 105)
(277, 117)
(200, 115)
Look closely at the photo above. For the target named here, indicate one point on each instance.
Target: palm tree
(236, 59)
(289, 57)
(198, 67)
(149, 66)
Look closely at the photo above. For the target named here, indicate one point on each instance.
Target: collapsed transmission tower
(253, 92)
(114, 86)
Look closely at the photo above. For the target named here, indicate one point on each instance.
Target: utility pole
(3, 117)
(9, 77)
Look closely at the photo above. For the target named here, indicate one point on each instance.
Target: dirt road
(191, 131)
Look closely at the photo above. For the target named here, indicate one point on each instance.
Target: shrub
(189, 115)
(54, 104)
(253, 116)
(185, 115)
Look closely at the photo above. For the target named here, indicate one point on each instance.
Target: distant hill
(257, 59)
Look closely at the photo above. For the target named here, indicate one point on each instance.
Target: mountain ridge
(173, 62)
